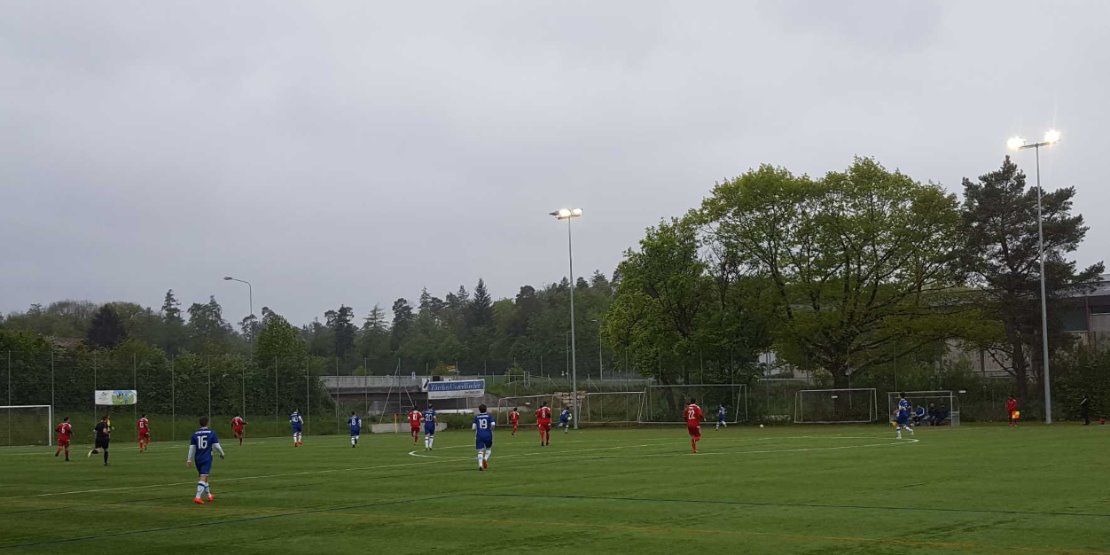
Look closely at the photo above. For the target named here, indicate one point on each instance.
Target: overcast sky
(355, 152)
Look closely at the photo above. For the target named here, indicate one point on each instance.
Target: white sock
(207, 488)
(488, 451)
(431, 441)
(200, 488)
(479, 459)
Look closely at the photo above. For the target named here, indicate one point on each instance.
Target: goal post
(663, 404)
(836, 406)
(934, 407)
(611, 407)
(27, 424)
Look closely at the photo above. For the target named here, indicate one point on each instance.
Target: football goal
(527, 405)
(663, 404)
(611, 407)
(928, 407)
(836, 406)
(26, 425)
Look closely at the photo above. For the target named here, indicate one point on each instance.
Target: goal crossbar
(836, 406)
(663, 404)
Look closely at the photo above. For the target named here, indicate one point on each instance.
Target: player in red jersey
(414, 424)
(237, 426)
(143, 426)
(514, 417)
(65, 432)
(693, 423)
(1012, 411)
(543, 422)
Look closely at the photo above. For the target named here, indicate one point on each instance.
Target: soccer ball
(761, 425)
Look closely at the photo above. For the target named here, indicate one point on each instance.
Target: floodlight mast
(569, 214)
(1051, 137)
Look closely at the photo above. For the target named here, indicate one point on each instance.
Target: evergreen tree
(402, 323)
(1002, 258)
(106, 330)
(343, 330)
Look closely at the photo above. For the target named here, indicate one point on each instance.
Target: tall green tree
(173, 325)
(664, 306)
(373, 340)
(207, 330)
(278, 341)
(106, 330)
(343, 329)
(403, 319)
(855, 261)
(1000, 225)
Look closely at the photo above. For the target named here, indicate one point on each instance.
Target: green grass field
(790, 489)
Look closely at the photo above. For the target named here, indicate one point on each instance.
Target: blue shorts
(203, 467)
(355, 431)
(484, 443)
(430, 429)
(903, 420)
(296, 429)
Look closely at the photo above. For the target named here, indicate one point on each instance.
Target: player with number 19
(201, 445)
(483, 436)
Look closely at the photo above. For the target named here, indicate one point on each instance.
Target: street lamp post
(600, 351)
(569, 214)
(1051, 137)
(250, 299)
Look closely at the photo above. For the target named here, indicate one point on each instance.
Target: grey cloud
(352, 152)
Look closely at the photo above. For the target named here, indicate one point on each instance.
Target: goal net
(26, 425)
(836, 406)
(613, 407)
(928, 407)
(663, 404)
(527, 405)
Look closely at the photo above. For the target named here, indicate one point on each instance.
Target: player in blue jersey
(201, 445)
(483, 436)
(903, 416)
(722, 412)
(429, 427)
(296, 422)
(354, 423)
(564, 419)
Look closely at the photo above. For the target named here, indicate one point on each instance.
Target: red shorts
(63, 441)
(695, 431)
(515, 424)
(144, 435)
(237, 431)
(414, 427)
(544, 425)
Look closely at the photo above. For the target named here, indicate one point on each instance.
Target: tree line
(849, 275)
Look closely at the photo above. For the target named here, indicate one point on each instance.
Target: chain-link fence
(174, 392)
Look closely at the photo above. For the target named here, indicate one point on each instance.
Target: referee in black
(103, 435)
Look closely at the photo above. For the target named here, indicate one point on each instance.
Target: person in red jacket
(1012, 411)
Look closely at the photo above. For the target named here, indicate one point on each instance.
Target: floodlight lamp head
(1051, 136)
(1015, 143)
(228, 278)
